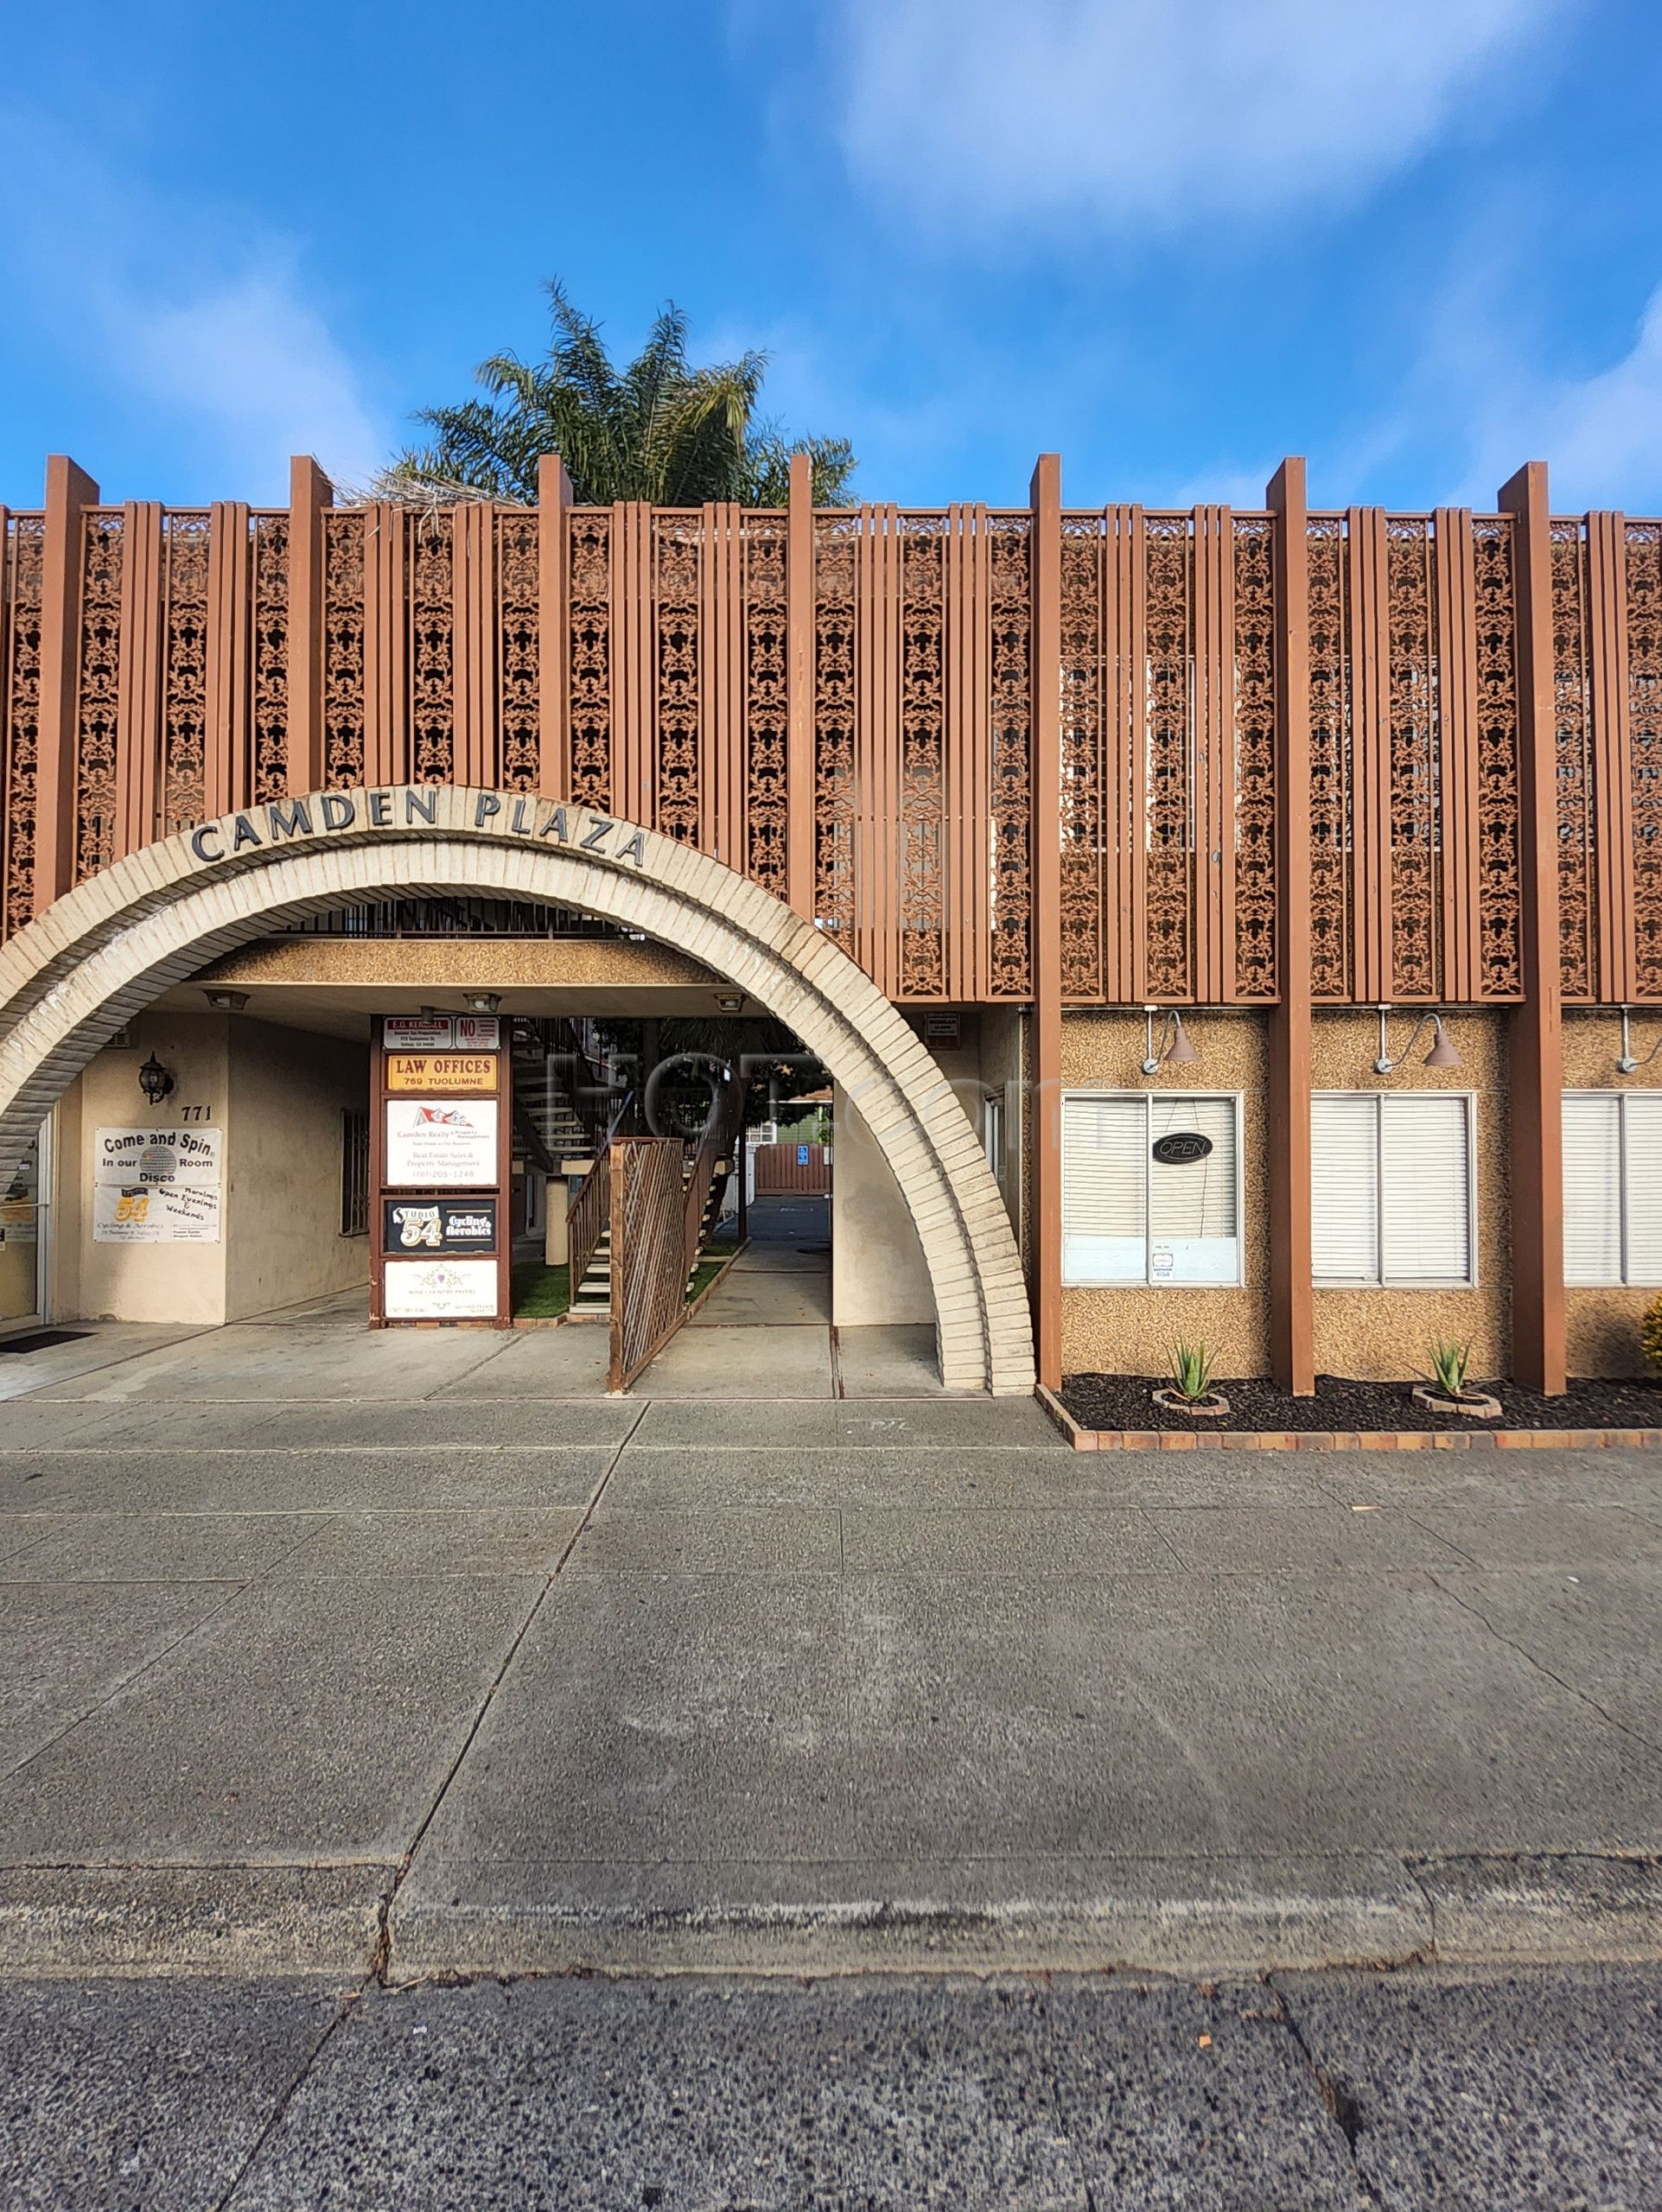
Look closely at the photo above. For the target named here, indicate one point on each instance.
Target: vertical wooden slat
(386, 642)
(309, 493)
(138, 722)
(473, 553)
(553, 600)
(228, 770)
(69, 490)
(1215, 753)
(1457, 778)
(1369, 792)
(1609, 750)
(1292, 1328)
(1047, 659)
(1536, 1057)
(799, 625)
(1126, 798)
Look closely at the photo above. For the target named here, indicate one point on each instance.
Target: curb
(189, 1920)
(1344, 1440)
(1186, 1918)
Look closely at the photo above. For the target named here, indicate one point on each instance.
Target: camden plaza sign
(416, 807)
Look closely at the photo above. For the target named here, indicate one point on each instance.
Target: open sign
(1182, 1147)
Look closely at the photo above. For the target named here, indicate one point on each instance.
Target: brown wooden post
(553, 506)
(1292, 1301)
(1046, 496)
(799, 625)
(309, 493)
(1536, 1057)
(69, 490)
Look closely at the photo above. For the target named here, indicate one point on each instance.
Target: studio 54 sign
(440, 1225)
(156, 1186)
(441, 1144)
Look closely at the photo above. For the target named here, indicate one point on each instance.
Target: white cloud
(969, 113)
(253, 364)
(182, 309)
(1602, 434)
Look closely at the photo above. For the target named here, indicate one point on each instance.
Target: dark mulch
(1120, 1401)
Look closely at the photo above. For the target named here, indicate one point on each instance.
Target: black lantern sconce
(155, 1081)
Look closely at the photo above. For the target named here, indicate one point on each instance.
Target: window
(1129, 1215)
(1391, 1188)
(354, 1172)
(1612, 1206)
(992, 1134)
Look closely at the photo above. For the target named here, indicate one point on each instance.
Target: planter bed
(1121, 1404)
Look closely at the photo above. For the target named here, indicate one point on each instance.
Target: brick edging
(1365, 1439)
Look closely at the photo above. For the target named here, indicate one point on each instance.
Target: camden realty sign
(408, 806)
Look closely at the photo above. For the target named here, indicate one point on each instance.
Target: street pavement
(1531, 2090)
(329, 1652)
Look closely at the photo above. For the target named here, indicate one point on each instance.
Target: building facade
(1222, 922)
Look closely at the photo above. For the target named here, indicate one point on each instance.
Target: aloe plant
(1449, 1365)
(1193, 1366)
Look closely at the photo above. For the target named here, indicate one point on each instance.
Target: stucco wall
(1602, 1326)
(1129, 1330)
(140, 1282)
(1386, 1335)
(878, 1275)
(288, 1090)
(275, 1095)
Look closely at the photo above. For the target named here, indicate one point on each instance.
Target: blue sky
(1418, 240)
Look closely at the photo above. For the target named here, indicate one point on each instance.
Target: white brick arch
(107, 948)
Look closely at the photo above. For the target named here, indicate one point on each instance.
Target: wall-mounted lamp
(1173, 1049)
(153, 1080)
(227, 1002)
(1441, 1054)
(1625, 1064)
(482, 1002)
(730, 1001)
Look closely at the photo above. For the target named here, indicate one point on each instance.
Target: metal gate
(649, 1255)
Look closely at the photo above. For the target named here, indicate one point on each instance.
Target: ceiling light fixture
(227, 1002)
(483, 1001)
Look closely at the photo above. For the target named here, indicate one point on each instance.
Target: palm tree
(661, 429)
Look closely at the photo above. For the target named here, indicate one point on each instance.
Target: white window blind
(1592, 1186)
(1104, 1190)
(1193, 1204)
(1425, 1225)
(1391, 1188)
(1641, 1114)
(1129, 1218)
(1345, 1189)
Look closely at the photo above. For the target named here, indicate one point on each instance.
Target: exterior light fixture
(1174, 1048)
(1626, 1062)
(1441, 1054)
(155, 1081)
(730, 1001)
(227, 1002)
(482, 1002)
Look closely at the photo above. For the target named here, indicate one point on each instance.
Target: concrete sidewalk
(333, 1651)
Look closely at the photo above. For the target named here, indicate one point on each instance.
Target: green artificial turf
(540, 1293)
